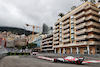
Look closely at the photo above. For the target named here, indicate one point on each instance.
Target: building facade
(78, 32)
(47, 43)
(37, 40)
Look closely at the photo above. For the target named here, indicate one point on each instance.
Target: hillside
(15, 30)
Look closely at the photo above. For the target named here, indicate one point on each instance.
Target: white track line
(91, 61)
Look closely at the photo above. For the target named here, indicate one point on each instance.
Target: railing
(78, 15)
(66, 26)
(80, 20)
(65, 40)
(65, 31)
(91, 11)
(80, 37)
(65, 22)
(65, 36)
(93, 23)
(80, 26)
(92, 17)
(80, 31)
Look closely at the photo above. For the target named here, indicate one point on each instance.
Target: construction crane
(33, 29)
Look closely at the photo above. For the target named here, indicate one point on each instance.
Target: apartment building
(78, 32)
(47, 43)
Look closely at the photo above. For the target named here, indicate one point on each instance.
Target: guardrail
(3, 55)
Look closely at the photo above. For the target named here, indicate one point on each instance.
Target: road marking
(91, 61)
(46, 58)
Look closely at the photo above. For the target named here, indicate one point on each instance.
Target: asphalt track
(33, 61)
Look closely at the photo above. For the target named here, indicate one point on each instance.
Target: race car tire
(55, 60)
(79, 62)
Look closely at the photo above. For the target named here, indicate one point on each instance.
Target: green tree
(84, 0)
(29, 45)
(61, 14)
(92, 1)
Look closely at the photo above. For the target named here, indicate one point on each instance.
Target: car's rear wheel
(79, 62)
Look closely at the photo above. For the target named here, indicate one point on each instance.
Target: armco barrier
(3, 55)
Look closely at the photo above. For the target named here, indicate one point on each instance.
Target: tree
(84, 0)
(61, 14)
(98, 0)
(31, 45)
(92, 1)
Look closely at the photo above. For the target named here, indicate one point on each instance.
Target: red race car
(69, 59)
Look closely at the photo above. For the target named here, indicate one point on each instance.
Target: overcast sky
(15, 13)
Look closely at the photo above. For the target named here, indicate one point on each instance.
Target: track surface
(33, 61)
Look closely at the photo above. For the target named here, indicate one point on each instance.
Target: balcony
(65, 22)
(81, 43)
(49, 38)
(65, 31)
(66, 40)
(80, 37)
(47, 46)
(94, 43)
(92, 12)
(66, 26)
(93, 29)
(80, 31)
(65, 36)
(92, 17)
(55, 42)
(50, 42)
(56, 23)
(44, 40)
(92, 7)
(80, 20)
(93, 23)
(56, 38)
(76, 11)
(80, 26)
(56, 26)
(56, 31)
(94, 36)
(56, 35)
(80, 14)
(47, 49)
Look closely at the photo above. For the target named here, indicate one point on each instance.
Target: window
(61, 39)
(73, 41)
(60, 26)
(72, 17)
(60, 30)
(61, 34)
(72, 26)
(72, 36)
(60, 22)
(72, 31)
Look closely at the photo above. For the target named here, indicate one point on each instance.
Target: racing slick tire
(55, 60)
(79, 62)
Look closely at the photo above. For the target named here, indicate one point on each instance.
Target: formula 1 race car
(69, 59)
(34, 53)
